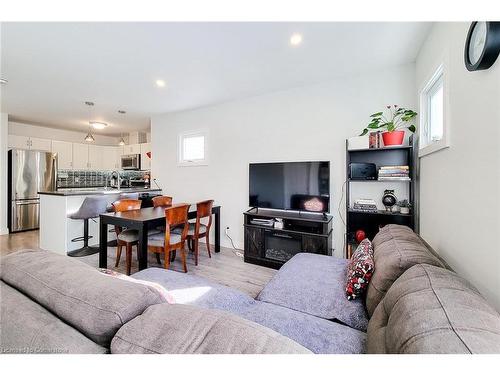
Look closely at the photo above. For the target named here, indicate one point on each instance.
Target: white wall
(307, 123)
(18, 128)
(3, 157)
(460, 186)
(3, 172)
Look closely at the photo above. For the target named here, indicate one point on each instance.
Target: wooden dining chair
(126, 237)
(162, 201)
(168, 241)
(199, 230)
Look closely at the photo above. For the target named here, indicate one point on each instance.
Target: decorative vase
(394, 138)
(389, 199)
(404, 210)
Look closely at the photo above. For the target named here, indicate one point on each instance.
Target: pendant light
(121, 142)
(89, 137)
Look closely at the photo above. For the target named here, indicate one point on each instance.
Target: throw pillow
(360, 270)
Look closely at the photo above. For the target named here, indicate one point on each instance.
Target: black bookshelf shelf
(382, 149)
(370, 222)
(351, 180)
(379, 212)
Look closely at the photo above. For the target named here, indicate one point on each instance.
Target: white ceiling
(52, 68)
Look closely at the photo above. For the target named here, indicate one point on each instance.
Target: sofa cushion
(316, 334)
(396, 249)
(26, 327)
(183, 329)
(360, 270)
(433, 310)
(95, 304)
(315, 284)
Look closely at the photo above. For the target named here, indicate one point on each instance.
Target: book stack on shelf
(394, 173)
(365, 205)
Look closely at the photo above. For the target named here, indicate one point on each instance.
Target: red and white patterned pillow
(360, 270)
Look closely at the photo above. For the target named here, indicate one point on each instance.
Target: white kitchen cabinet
(145, 160)
(132, 149)
(119, 152)
(18, 141)
(110, 158)
(40, 144)
(64, 152)
(29, 143)
(80, 156)
(95, 158)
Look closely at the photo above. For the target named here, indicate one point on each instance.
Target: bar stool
(91, 208)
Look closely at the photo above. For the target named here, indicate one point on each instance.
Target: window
(432, 114)
(193, 148)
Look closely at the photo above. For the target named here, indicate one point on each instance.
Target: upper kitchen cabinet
(29, 143)
(110, 158)
(40, 144)
(64, 152)
(95, 157)
(145, 160)
(132, 149)
(80, 156)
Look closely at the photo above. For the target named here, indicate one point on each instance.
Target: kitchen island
(57, 230)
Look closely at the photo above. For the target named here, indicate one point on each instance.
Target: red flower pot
(394, 138)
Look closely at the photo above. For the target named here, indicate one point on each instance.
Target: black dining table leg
(217, 230)
(103, 244)
(143, 247)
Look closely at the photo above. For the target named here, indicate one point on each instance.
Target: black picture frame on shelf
(370, 222)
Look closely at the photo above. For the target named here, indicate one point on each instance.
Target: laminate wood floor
(226, 267)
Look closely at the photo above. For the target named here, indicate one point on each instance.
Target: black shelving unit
(371, 221)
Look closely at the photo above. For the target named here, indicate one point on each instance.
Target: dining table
(142, 220)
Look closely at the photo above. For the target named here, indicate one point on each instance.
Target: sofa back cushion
(396, 249)
(95, 304)
(184, 329)
(432, 310)
(26, 327)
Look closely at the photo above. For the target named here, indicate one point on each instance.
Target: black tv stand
(302, 231)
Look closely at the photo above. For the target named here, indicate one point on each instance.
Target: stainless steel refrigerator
(29, 173)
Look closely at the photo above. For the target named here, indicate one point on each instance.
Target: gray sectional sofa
(414, 304)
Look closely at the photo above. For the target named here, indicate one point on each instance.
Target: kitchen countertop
(98, 191)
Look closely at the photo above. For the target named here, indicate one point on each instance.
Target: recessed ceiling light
(160, 83)
(3, 81)
(295, 39)
(98, 125)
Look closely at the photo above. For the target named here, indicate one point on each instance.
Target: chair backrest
(127, 205)
(128, 196)
(162, 201)
(176, 215)
(204, 209)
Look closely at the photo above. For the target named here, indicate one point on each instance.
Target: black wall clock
(482, 45)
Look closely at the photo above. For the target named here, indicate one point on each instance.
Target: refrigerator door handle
(21, 203)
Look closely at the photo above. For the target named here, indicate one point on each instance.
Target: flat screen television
(301, 186)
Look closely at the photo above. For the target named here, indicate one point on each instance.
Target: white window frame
(427, 146)
(180, 149)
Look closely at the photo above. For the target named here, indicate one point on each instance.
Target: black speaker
(362, 171)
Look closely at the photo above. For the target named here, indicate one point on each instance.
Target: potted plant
(394, 124)
(404, 206)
